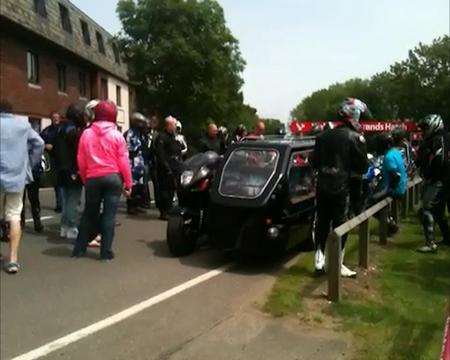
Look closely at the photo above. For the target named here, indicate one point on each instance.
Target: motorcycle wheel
(180, 239)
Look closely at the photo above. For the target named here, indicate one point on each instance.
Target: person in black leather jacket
(66, 148)
(433, 162)
(340, 156)
(168, 165)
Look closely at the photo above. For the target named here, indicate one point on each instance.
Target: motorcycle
(187, 223)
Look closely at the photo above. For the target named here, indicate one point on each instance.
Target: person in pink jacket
(105, 171)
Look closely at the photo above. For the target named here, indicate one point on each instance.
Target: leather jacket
(433, 157)
(340, 155)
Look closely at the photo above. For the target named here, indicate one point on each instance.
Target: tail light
(203, 185)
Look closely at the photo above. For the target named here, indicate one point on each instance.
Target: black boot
(38, 227)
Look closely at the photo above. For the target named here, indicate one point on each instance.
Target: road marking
(43, 218)
(114, 319)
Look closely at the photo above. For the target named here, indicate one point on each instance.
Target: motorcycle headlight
(203, 172)
(187, 177)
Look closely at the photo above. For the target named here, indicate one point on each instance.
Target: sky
(294, 47)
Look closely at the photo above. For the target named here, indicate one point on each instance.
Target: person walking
(104, 167)
(434, 165)
(168, 163)
(339, 155)
(65, 147)
(49, 136)
(21, 149)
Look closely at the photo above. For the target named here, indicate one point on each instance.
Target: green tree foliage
(184, 60)
(411, 88)
(273, 126)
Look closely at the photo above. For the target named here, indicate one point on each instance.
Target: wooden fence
(399, 209)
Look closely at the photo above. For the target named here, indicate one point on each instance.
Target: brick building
(52, 54)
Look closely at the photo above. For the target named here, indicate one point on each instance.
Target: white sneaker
(63, 232)
(72, 233)
(346, 272)
(319, 261)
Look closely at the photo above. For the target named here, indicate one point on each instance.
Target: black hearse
(263, 196)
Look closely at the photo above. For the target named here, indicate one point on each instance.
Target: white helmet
(431, 124)
(89, 110)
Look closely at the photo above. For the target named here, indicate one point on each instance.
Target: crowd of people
(85, 150)
(340, 159)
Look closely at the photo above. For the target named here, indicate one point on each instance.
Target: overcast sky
(293, 47)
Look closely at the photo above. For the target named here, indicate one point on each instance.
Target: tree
(273, 126)
(411, 88)
(183, 59)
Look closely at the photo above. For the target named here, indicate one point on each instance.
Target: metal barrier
(398, 208)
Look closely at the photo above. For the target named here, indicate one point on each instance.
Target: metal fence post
(411, 200)
(364, 236)
(334, 267)
(383, 230)
(395, 210)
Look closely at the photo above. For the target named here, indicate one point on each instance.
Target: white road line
(42, 219)
(114, 319)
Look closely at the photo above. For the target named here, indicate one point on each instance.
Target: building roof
(45, 19)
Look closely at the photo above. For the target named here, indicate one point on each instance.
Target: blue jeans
(106, 190)
(70, 200)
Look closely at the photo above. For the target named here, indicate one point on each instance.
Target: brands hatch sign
(305, 127)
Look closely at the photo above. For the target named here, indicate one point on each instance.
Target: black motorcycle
(187, 222)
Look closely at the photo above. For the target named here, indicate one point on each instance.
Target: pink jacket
(103, 151)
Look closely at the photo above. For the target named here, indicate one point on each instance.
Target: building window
(116, 53)
(32, 68)
(85, 31)
(104, 89)
(83, 84)
(40, 8)
(101, 45)
(65, 18)
(118, 95)
(62, 84)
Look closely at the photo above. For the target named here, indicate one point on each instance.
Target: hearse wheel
(180, 237)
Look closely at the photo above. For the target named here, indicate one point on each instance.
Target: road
(181, 313)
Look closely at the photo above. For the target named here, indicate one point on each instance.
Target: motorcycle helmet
(138, 119)
(430, 124)
(241, 130)
(89, 111)
(223, 132)
(352, 110)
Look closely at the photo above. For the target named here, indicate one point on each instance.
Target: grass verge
(395, 310)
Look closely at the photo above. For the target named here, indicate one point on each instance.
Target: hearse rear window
(247, 172)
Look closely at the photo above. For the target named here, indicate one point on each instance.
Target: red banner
(304, 127)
